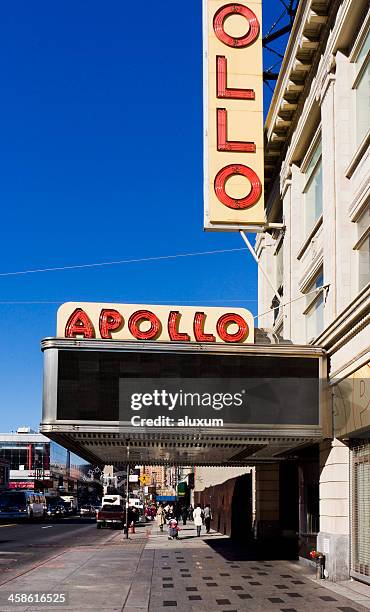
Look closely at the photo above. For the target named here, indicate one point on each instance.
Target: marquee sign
(153, 322)
(233, 115)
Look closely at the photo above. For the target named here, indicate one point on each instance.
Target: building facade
(35, 462)
(318, 187)
(4, 474)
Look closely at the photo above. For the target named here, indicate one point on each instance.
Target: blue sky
(101, 159)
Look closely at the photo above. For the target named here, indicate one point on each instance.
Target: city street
(24, 545)
(184, 299)
(103, 571)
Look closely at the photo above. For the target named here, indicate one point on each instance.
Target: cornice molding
(346, 321)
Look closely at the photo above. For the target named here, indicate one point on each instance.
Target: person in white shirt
(198, 518)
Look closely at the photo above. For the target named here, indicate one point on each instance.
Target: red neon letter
(173, 322)
(223, 323)
(250, 199)
(79, 324)
(109, 320)
(144, 315)
(223, 91)
(231, 41)
(200, 336)
(223, 144)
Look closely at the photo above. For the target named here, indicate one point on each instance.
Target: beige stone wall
(211, 476)
(327, 110)
(334, 487)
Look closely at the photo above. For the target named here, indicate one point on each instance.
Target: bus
(22, 504)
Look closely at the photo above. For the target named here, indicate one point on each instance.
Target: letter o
(236, 9)
(144, 315)
(250, 199)
(225, 320)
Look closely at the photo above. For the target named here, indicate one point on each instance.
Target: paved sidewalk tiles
(207, 574)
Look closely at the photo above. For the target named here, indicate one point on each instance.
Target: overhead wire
(119, 262)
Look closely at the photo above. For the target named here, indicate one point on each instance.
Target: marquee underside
(106, 446)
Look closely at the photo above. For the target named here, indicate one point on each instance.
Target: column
(267, 500)
(333, 539)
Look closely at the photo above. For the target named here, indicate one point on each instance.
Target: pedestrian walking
(177, 512)
(173, 529)
(207, 517)
(190, 512)
(160, 517)
(198, 518)
(184, 515)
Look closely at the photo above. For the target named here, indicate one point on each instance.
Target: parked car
(110, 516)
(87, 510)
(55, 507)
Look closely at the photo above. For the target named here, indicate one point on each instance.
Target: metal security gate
(360, 473)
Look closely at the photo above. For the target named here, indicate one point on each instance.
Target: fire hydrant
(320, 566)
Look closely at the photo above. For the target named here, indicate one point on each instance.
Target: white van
(135, 502)
(113, 500)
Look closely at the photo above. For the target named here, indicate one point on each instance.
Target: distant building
(157, 474)
(4, 474)
(35, 462)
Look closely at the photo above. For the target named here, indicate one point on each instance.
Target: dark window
(12, 499)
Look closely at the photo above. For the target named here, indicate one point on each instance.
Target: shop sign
(21, 484)
(233, 115)
(162, 323)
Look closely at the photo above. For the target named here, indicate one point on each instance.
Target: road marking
(14, 525)
(47, 527)
(15, 552)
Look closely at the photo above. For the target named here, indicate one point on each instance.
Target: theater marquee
(233, 115)
(153, 322)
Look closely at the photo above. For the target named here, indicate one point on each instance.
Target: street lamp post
(127, 484)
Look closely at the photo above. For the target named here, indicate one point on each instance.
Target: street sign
(144, 479)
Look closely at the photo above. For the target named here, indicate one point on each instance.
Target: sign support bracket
(267, 277)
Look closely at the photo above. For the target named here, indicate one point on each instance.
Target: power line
(120, 262)
(154, 302)
(324, 288)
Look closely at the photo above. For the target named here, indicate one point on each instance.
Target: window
(315, 309)
(279, 278)
(313, 189)
(361, 506)
(363, 248)
(276, 304)
(279, 269)
(364, 262)
(362, 88)
(16, 456)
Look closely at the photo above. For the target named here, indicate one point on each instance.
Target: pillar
(333, 539)
(267, 500)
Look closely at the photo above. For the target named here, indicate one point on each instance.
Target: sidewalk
(150, 573)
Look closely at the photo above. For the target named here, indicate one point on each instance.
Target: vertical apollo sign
(233, 115)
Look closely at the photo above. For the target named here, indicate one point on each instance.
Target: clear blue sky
(101, 159)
